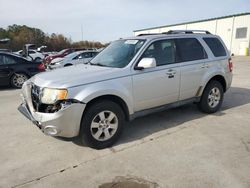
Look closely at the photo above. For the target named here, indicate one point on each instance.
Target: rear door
(6, 68)
(192, 58)
(157, 86)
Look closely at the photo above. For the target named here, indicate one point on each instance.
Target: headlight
(50, 96)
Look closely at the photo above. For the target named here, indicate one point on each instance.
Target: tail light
(230, 64)
(41, 67)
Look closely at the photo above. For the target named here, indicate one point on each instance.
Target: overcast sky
(107, 20)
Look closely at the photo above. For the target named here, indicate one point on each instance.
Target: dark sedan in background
(15, 70)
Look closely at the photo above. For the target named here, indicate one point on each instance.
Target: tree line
(22, 34)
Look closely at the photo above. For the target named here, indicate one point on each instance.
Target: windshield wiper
(95, 64)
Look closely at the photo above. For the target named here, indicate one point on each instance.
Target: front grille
(35, 95)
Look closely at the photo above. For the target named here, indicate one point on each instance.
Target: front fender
(121, 88)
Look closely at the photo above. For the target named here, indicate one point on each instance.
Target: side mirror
(146, 63)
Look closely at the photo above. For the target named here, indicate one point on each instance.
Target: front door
(157, 86)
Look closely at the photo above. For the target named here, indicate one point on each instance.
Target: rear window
(190, 49)
(215, 46)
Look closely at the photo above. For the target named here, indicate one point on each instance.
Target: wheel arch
(218, 78)
(68, 64)
(110, 97)
(18, 72)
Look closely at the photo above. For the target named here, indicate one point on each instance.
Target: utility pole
(82, 31)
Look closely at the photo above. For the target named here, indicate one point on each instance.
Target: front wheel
(18, 79)
(212, 97)
(102, 124)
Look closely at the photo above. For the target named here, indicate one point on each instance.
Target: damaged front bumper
(65, 122)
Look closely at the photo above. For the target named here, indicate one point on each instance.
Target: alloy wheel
(104, 125)
(19, 79)
(214, 97)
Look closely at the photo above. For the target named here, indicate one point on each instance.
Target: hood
(75, 75)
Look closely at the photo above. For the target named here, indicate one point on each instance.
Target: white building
(233, 29)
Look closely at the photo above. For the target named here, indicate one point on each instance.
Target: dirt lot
(177, 148)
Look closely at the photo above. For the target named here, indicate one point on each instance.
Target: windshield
(118, 54)
(72, 55)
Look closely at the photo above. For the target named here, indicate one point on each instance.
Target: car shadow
(148, 125)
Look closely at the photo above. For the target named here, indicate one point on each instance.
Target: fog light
(50, 130)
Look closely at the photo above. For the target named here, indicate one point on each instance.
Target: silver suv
(130, 78)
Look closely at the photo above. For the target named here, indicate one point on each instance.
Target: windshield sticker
(131, 41)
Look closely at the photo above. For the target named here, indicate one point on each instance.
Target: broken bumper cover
(65, 123)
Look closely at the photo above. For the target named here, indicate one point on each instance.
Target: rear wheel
(102, 124)
(18, 79)
(67, 65)
(212, 97)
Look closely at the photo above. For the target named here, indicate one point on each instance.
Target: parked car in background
(5, 50)
(15, 70)
(35, 55)
(62, 53)
(75, 58)
(4, 41)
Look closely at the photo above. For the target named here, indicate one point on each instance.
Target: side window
(163, 51)
(93, 54)
(86, 55)
(190, 49)
(9, 60)
(215, 46)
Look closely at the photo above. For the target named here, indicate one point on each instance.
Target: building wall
(225, 28)
(225, 31)
(239, 45)
(208, 25)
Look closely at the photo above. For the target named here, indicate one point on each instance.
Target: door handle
(171, 72)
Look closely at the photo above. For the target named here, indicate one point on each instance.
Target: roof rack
(145, 34)
(186, 31)
(176, 32)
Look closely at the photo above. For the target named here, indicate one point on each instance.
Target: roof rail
(145, 34)
(186, 31)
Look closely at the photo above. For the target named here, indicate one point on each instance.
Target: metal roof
(210, 19)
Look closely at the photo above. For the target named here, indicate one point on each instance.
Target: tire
(67, 65)
(97, 130)
(212, 97)
(18, 79)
